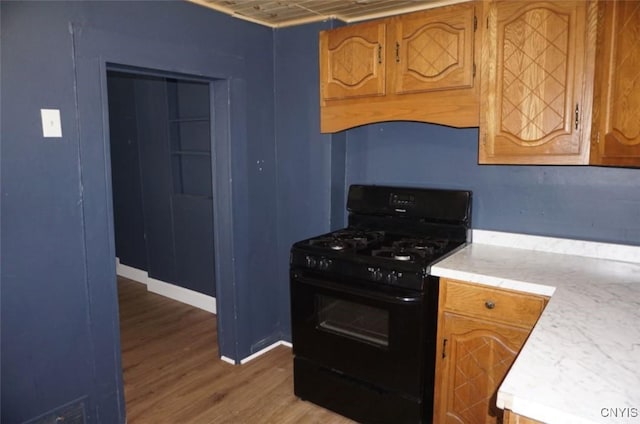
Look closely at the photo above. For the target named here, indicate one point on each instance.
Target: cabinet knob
(490, 304)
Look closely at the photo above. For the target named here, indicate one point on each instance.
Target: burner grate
(348, 240)
(398, 255)
(411, 249)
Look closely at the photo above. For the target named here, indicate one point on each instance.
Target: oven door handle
(370, 294)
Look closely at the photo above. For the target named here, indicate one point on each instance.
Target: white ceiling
(295, 12)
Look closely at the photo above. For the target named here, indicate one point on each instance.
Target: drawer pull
(490, 304)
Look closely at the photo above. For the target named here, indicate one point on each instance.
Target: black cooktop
(394, 235)
(380, 245)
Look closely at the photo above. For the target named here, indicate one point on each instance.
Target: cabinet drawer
(494, 304)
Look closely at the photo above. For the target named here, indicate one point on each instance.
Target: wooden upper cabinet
(413, 67)
(537, 82)
(352, 63)
(434, 50)
(616, 117)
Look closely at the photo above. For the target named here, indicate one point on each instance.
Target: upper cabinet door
(536, 88)
(352, 61)
(616, 138)
(433, 50)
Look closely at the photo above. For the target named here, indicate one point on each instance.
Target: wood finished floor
(172, 373)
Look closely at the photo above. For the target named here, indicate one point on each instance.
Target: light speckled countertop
(581, 363)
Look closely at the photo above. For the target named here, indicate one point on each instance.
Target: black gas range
(364, 305)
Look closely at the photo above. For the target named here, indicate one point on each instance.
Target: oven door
(375, 335)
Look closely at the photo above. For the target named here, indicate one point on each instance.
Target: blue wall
(128, 215)
(60, 336)
(590, 203)
(303, 154)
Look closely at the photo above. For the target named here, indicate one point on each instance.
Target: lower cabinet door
(473, 358)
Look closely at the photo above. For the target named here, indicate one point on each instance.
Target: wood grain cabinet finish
(352, 63)
(511, 418)
(417, 67)
(480, 332)
(537, 82)
(616, 114)
(434, 50)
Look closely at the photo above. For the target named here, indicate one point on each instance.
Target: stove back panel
(420, 204)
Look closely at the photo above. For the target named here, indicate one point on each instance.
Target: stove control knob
(392, 277)
(375, 273)
(311, 262)
(324, 264)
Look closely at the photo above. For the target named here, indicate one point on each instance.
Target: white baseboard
(190, 297)
(265, 350)
(180, 294)
(228, 360)
(131, 273)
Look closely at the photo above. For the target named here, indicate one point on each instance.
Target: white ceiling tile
(287, 12)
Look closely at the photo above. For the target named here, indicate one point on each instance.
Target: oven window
(361, 322)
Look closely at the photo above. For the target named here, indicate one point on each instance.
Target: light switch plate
(51, 126)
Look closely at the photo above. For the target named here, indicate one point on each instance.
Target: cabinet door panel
(534, 62)
(475, 358)
(352, 61)
(433, 50)
(617, 108)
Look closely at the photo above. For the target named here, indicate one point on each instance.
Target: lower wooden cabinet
(480, 332)
(476, 356)
(511, 418)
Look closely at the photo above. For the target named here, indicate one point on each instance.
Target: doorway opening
(161, 143)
